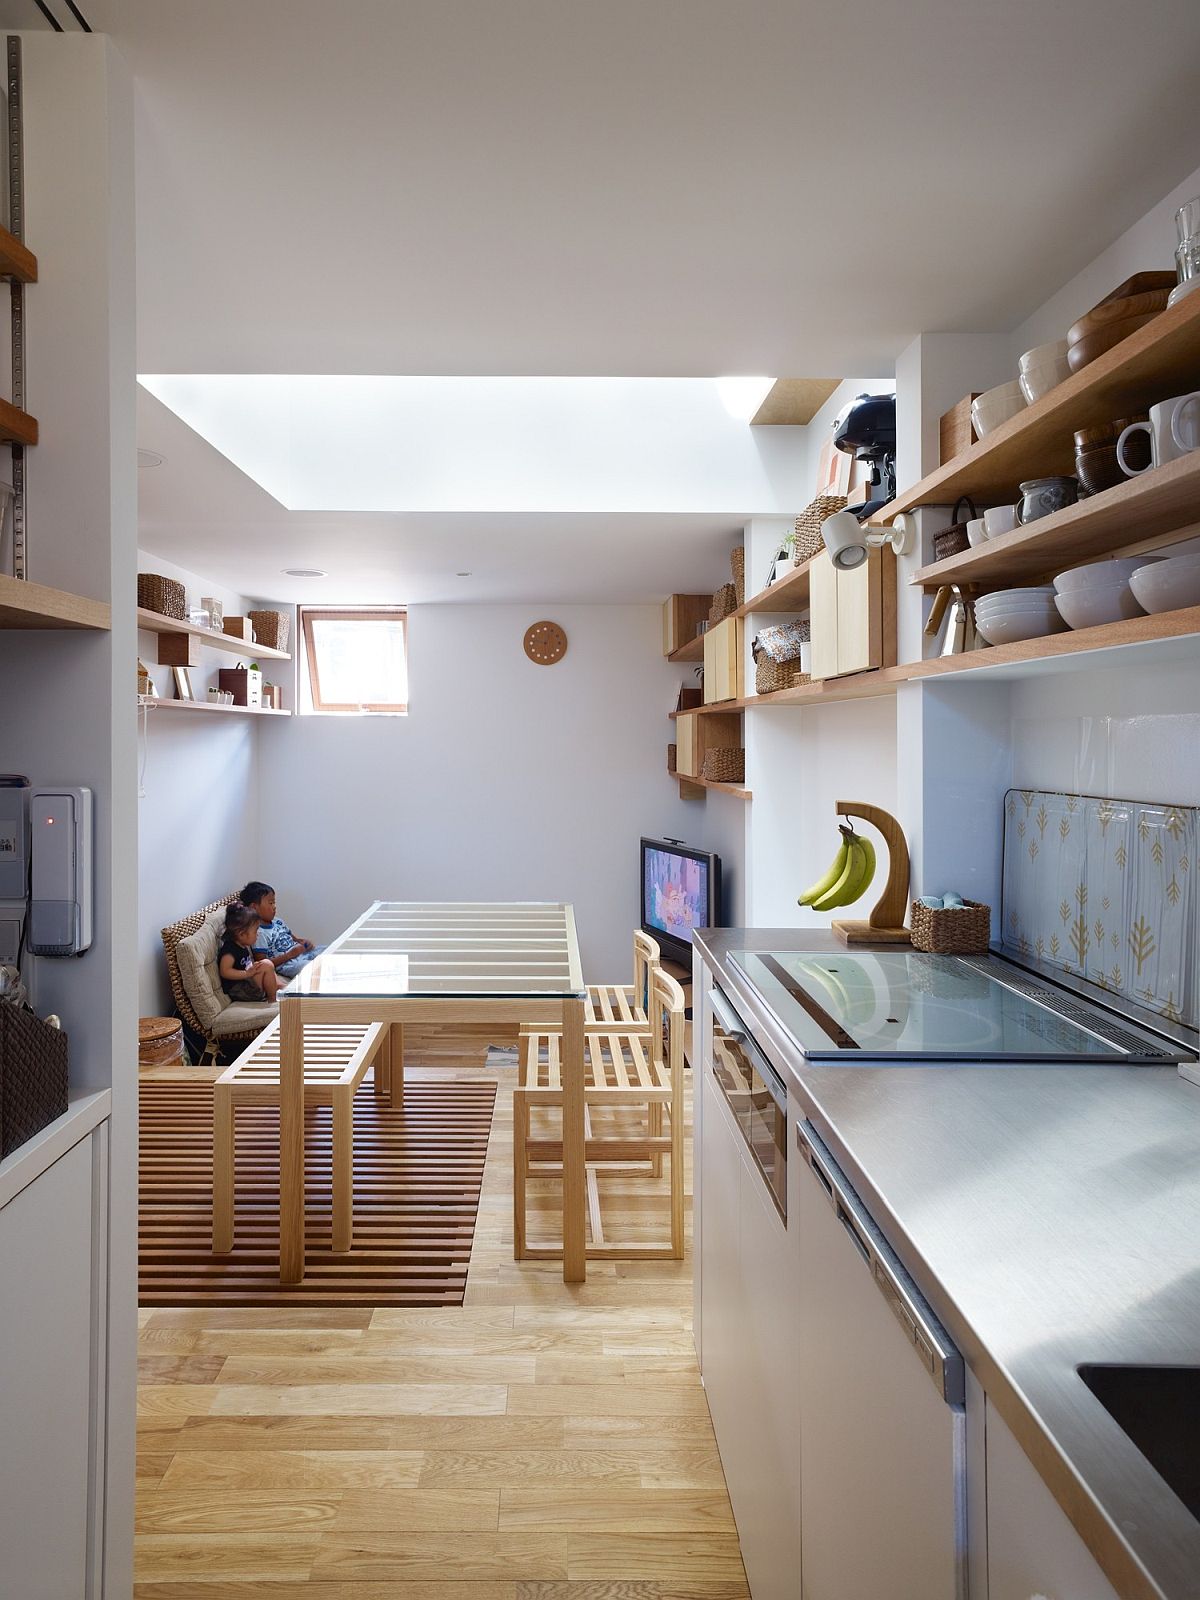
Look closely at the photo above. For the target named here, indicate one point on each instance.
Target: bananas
(849, 875)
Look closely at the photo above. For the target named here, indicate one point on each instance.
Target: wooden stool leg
(396, 1059)
(520, 1170)
(656, 1127)
(223, 1170)
(382, 1073)
(677, 1169)
(343, 1167)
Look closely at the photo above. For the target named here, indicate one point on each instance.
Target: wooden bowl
(1098, 469)
(1085, 350)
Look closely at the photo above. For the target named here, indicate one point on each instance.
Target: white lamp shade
(845, 539)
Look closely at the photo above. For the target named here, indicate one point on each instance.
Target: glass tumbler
(1187, 255)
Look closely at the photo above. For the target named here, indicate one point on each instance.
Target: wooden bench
(336, 1059)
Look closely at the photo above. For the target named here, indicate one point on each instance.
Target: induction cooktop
(905, 1005)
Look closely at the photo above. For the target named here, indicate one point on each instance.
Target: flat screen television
(681, 890)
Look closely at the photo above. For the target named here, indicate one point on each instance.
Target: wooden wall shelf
(33, 605)
(16, 426)
(709, 783)
(791, 593)
(155, 622)
(1141, 512)
(16, 262)
(1157, 361)
(157, 703)
(693, 650)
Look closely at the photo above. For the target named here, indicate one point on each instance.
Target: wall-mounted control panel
(60, 911)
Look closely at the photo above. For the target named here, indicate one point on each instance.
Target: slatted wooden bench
(336, 1059)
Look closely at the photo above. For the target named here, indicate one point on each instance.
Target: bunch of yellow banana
(849, 875)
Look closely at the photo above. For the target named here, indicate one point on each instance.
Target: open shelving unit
(155, 622)
(33, 605)
(158, 702)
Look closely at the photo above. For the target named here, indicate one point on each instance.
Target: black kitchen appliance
(866, 430)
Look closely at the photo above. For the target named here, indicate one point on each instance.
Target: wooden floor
(540, 1442)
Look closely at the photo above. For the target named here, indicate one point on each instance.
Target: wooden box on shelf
(696, 735)
(244, 684)
(239, 628)
(955, 430)
(178, 650)
(853, 615)
(723, 667)
(682, 616)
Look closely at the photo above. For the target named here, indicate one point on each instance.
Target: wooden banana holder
(885, 925)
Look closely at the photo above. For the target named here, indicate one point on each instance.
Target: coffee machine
(866, 430)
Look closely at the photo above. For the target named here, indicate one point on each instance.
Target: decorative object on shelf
(885, 925)
(244, 683)
(672, 758)
(956, 432)
(160, 1042)
(833, 471)
(214, 613)
(737, 561)
(724, 765)
(952, 541)
(1187, 252)
(183, 683)
(220, 697)
(994, 407)
(723, 603)
(270, 628)
(1130, 306)
(33, 1067)
(239, 628)
(143, 677)
(782, 640)
(1042, 497)
(952, 930)
(545, 643)
(164, 595)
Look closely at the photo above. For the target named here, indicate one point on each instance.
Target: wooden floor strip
(418, 1171)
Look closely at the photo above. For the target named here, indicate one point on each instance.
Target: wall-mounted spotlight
(848, 541)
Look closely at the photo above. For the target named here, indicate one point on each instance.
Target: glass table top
(403, 948)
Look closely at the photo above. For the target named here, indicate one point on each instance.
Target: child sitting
(276, 941)
(243, 977)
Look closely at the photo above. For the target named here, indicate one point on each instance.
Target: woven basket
(952, 541)
(737, 560)
(723, 602)
(270, 628)
(772, 675)
(963, 931)
(160, 1041)
(164, 595)
(672, 757)
(724, 766)
(808, 526)
(33, 1076)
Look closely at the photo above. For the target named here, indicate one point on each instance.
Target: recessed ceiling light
(462, 574)
(150, 458)
(304, 572)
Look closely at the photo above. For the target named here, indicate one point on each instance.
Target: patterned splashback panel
(1106, 890)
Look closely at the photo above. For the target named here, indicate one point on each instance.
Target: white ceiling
(659, 187)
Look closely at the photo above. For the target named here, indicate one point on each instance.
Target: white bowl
(995, 406)
(1101, 603)
(1044, 355)
(1168, 585)
(999, 519)
(1099, 572)
(976, 532)
(1037, 381)
(1025, 625)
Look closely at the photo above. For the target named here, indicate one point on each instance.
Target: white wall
(505, 781)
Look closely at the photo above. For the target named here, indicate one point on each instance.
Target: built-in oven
(755, 1094)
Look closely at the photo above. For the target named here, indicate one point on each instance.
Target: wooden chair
(619, 1005)
(336, 1058)
(625, 1069)
(172, 937)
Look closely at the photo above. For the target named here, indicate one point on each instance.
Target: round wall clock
(545, 643)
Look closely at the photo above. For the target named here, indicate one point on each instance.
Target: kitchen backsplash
(1106, 889)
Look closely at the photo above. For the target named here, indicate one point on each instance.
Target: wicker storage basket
(737, 560)
(772, 675)
(723, 602)
(962, 931)
(672, 757)
(160, 1041)
(164, 595)
(724, 766)
(270, 628)
(33, 1075)
(952, 541)
(808, 526)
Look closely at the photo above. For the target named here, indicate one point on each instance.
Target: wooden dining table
(439, 963)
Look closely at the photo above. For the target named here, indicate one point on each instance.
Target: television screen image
(675, 893)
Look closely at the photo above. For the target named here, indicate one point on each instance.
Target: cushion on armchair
(197, 957)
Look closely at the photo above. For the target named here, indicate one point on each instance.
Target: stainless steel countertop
(1052, 1216)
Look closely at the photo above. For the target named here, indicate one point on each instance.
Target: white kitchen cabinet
(51, 1379)
(1032, 1548)
(721, 1294)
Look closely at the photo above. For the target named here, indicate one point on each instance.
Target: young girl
(242, 976)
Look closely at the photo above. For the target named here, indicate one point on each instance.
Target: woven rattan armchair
(171, 937)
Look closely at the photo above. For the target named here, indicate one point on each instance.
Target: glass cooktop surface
(906, 1004)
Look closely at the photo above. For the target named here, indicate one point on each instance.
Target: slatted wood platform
(418, 1166)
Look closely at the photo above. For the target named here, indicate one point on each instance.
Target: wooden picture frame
(183, 683)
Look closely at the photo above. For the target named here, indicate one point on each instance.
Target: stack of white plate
(1090, 596)
(1009, 615)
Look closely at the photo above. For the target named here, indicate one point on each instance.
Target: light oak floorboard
(294, 1469)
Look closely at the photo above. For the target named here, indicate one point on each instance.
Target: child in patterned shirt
(276, 940)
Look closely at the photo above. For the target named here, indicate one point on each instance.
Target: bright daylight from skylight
(325, 443)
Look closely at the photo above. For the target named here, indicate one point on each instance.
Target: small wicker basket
(961, 931)
(33, 1075)
(952, 541)
(672, 757)
(270, 628)
(770, 676)
(723, 602)
(808, 526)
(737, 560)
(725, 766)
(164, 595)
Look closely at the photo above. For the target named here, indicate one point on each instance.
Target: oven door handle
(734, 1028)
(730, 1022)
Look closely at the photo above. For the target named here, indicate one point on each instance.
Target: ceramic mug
(999, 519)
(1161, 430)
(976, 531)
(1186, 439)
(1042, 497)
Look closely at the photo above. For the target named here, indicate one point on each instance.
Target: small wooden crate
(239, 628)
(955, 430)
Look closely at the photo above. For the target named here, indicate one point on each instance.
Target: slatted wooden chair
(623, 1069)
(336, 1058)
(618, 1005)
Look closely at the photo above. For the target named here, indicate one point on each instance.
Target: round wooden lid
(152, 1028)
(545, 643)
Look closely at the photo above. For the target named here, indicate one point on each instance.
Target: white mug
(1161, 429)
(1189, 439)
(999, 519)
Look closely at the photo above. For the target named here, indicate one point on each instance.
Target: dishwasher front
(883, 1433)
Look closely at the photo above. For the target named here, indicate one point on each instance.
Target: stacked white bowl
(994, 406)
(1168, 585)
(1089, 596)
(1010, 615)
(1043, 368)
